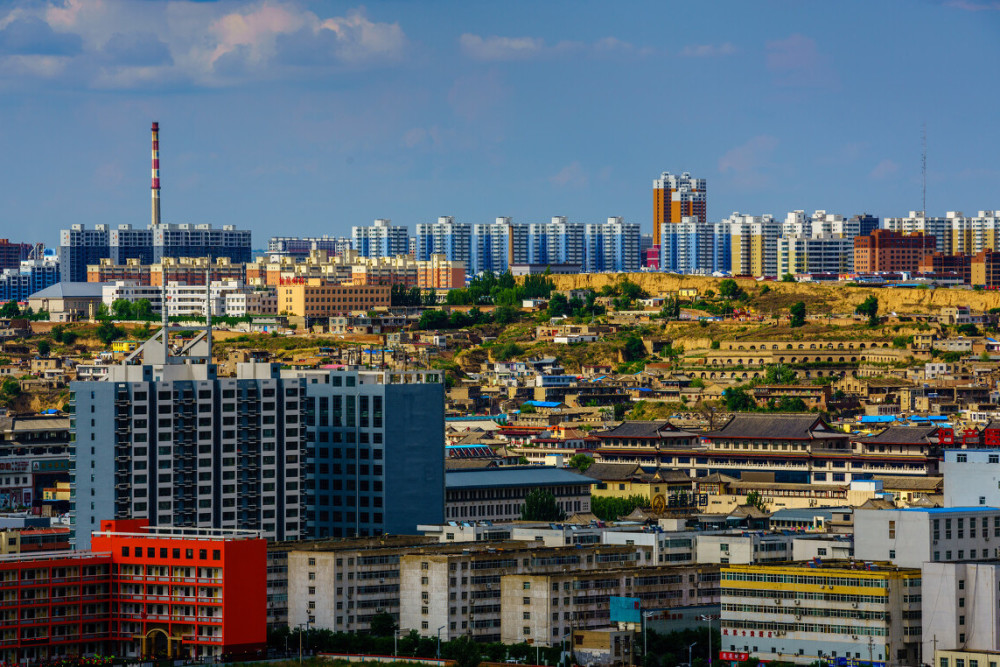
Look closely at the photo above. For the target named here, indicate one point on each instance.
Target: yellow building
(624, 480)
(966, 658)
(314, 297)
(822, 611)
(124, 346)
(61, 491)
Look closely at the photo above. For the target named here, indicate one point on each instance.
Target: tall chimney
(156, 174)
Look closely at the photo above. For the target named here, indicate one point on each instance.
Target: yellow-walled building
(824, 611)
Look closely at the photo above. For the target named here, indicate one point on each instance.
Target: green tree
(9, 390)
(967, 329)
(383, 624)
(121, 309)
(541, 505)
(611, 508)
(44, 347)
(739, 399)
(869, 308)
(633, 350)
(730, 289)
(10, 309)
(108, 332)
(433, 319)
(581, 462)
(754, 499)
(798, 314)
(527, 409)
(788, 278)
(779, 374)
(985, 356)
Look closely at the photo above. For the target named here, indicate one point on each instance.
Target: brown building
(886, 250)
(314, 297)
(183, 271)
(11, 254)
(960, 264)
(986, 269)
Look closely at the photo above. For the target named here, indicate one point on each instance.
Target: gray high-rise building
(375, 442)
(291, 454)
(177, 445)
(80, 247)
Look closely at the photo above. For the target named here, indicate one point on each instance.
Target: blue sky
(309, 117)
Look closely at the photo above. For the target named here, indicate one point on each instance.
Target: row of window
(174, 553)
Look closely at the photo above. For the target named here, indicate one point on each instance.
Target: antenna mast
(923, 165)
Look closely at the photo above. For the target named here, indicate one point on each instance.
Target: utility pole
(871, 644)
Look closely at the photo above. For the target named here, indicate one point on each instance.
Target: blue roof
(544, 404)
(877, 419)
(512, 476)
(938, 418)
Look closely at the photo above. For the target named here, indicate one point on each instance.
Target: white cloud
(126, 43)
(797, 61)
(708, 50)
(884, 169)
(500, 48)
(570, 176)
(749, 162)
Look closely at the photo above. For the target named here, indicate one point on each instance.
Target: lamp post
(708, 619)
(689, 652)
(300, 626)
(439, 641)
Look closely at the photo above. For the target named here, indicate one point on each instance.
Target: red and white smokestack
(156, 173)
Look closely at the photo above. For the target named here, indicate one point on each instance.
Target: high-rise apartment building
(80, 247)
(178, 446)
(754, 244)
(374, 441)
(815, 254)
(491, 245)
(611, 246)
(12, 254)
(693, 247)
(301, 246)
(32, 275)
(953, 233)
(887, 250)
(555, 242)
(445, 237)
(676, 197)
(381, 239)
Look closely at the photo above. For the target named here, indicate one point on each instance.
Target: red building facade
(141, 592)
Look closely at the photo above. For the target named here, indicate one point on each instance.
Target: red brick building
(12, 254)
(960, 264)
(886, 250)
(177, 593)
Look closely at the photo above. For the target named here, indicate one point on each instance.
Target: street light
(300, 626)
(708, 618)
(439, 641)
(689, 652)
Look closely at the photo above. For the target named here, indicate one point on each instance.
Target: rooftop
(512, 476)
(770, 427)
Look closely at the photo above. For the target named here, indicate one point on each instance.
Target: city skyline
(281, 116)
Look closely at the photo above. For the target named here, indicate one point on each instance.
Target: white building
(815, 254)
(132, 291)
(971, 477)
(185, 300)
(960, 607)
(490, 247)
(744, 548)
(611, 246)
(256, 302)
(381, 239)
(914, 536)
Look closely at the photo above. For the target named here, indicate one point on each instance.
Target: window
(892, 554)
(526, 585)
(960, 458)
(892, 530)
(125, 552)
